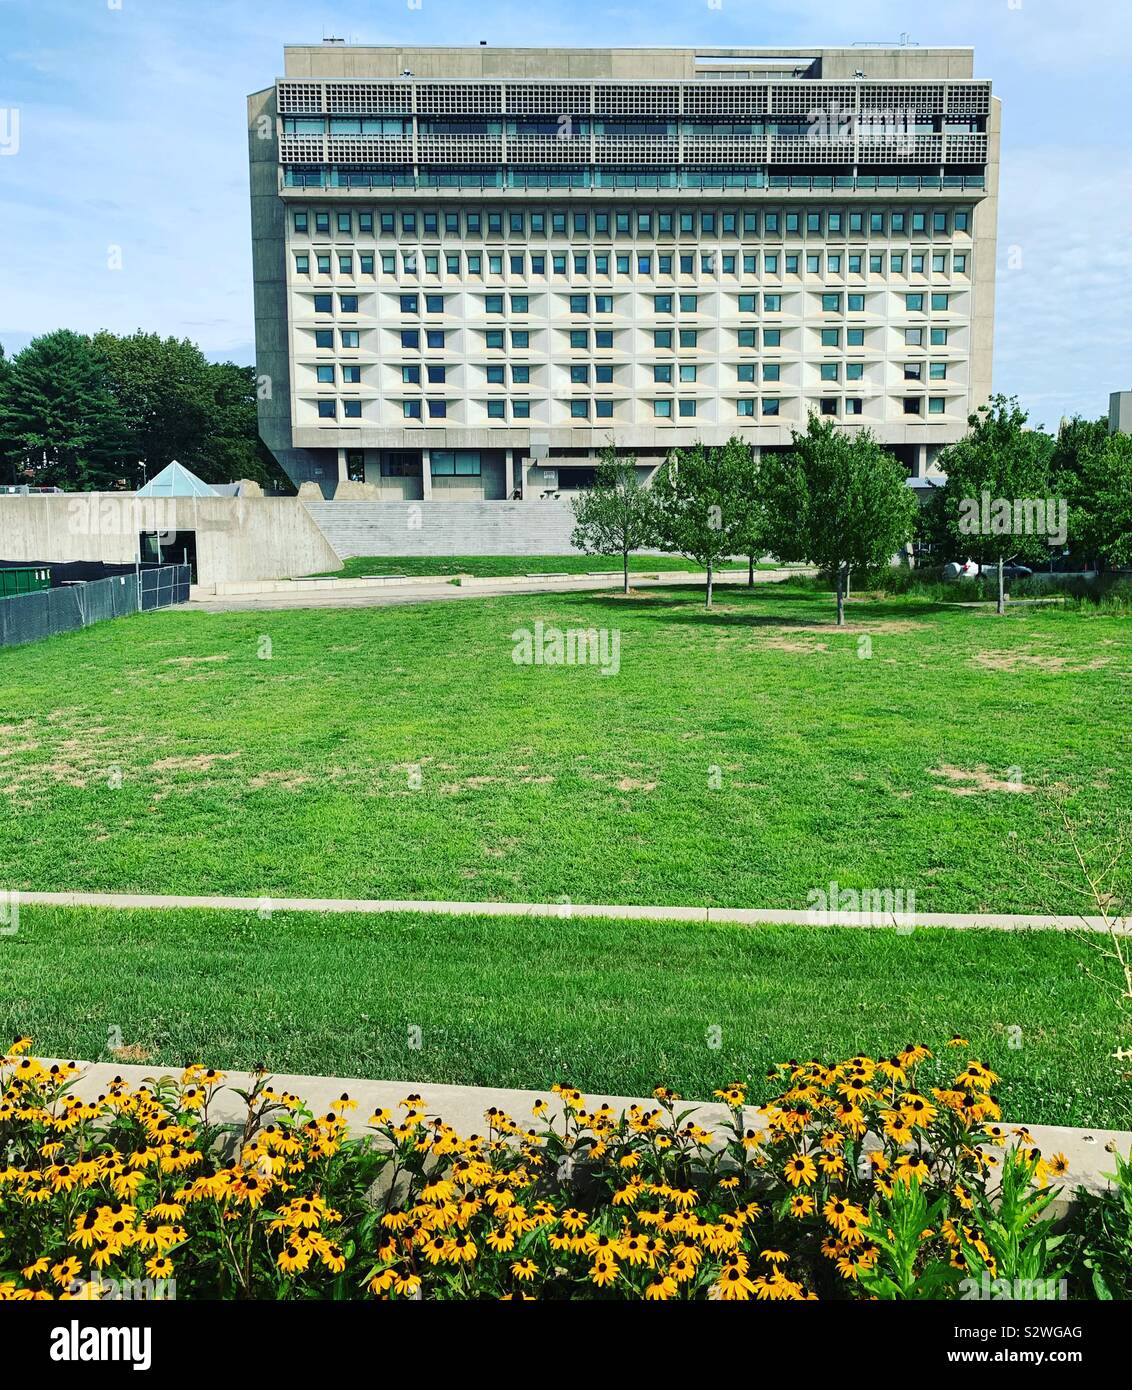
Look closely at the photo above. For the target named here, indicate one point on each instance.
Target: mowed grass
(740, 757)
(614, 1007)
(500, 566)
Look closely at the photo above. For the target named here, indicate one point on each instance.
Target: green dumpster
(24, 579)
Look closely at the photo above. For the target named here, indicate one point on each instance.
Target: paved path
(1089, 1151)
(743, 916)
(328, 597)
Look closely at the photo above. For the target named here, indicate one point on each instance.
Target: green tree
(752, 533)
(60, 423)
(699, 503)
(837, 500)
(232, 448)
(998, 464)
(1076, 440)
(166, 395)
(1106, 482)
(614, 517)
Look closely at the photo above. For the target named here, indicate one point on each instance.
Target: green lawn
(497, 566)
(609, 1006)
(741, 757)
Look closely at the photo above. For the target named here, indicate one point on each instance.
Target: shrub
(867, 1178)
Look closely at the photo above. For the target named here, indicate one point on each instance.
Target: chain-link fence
(30, 617)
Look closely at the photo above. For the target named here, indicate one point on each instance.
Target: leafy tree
(1077, 440)
(60, 423)
(165, 391)
(998, 464)
(700, 504)
(837, 500)
(233, 448)
(615, 516)
(1106, 483)
(751, 534)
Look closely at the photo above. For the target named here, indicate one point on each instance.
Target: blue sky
(132, 135)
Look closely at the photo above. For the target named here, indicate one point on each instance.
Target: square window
(603, 410)
(662, 409)
(327, 410)
(579, 410)
(687, 408)
(496, 410)
(411, 375)
(771, 405)
(411, 410)
(323, 304)
(352, 375)
(348, 303)
(325, 375)
(437, 409)
(352, 410)
(323, 337)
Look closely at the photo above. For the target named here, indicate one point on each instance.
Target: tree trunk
(750, 571)
(840, 596)
(625, 557)
(707, 604)
(1001, 597)
(848, 580)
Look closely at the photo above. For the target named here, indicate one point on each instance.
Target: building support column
(426, 474)
(525, 466)
(920, 460)
(508, 473)
(343, 470)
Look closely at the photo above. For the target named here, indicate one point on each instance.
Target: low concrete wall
(437, 527)
(1089, 1151)
(237, 538)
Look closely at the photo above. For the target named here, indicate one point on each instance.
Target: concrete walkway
(742, 916)
(1089, 1151)
(324, 594)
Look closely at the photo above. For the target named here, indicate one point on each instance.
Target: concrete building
(475, 267)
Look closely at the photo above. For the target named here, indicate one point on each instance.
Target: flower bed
(873, 1178)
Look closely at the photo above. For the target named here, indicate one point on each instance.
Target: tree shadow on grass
(748, 608)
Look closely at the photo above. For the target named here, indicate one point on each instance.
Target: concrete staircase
(540, 527)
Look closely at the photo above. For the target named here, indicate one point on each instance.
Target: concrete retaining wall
(445, 528)
(236, 537)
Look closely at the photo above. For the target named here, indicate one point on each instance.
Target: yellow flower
(524, 1269)
(800, 1169)
(604, 1271)
(733, 1286)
